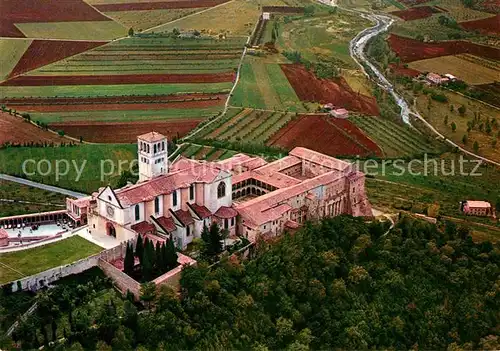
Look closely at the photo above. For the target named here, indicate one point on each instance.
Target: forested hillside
(340, 284)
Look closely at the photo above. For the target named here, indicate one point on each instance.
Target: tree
(148, 292)
(129, 261)
(160, 265)
(476, 147)
(139, 248)
(462, 109)
(147, 263)
(445, 121)
(453, 126)
(494, 143)
(170, 255)
(464, 139)
(131, 32)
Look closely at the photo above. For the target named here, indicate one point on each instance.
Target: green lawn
(283, 90)
(124, 116)
(39, 259)
(91, 156)
(113, 90)
(39, 199)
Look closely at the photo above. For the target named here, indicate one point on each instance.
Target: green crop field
(98, 165)
(396, 139)
(113, 90)
(264, 85)
(200, 152)
(124, 116)
(19, 264)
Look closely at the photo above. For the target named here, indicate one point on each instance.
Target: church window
(137, 213)
(157, 204)
(221, 190)
(174, 198)
(191, 192)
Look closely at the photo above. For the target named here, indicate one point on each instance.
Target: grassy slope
(48, 256)
(11, 50)
(148, 19)
(12, 159)
(91, 30)
(220, 20)
(19, 192)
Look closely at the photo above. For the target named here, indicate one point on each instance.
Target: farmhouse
(340, 113)
(435, 78)
(246, 195)
(477, 208)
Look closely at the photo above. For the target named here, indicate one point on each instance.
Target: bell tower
(152, 155)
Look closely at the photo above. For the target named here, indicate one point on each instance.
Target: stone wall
(42, 279)
(121, 280)
(172, 278)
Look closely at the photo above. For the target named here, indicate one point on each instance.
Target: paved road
(42, 186)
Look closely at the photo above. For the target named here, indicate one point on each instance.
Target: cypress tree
(171, 255)
(128, 264)
(139, 248)
(215, 238)
(164, 261)
(159, 258)
(146, 265)
(54, 330)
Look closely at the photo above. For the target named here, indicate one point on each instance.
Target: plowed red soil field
(109, 99)
(326, 135)
(118, 107)
(415, 13)
(403, 71)
(36, 11)
(125, 132)
(143, 6)
(43, 52)
(490, 25)
(15, 130)
(338, 92)
(413, 50)
(120, 79)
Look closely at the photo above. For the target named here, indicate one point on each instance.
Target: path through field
(42, 186)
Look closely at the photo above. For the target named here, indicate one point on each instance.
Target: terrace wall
(42, 279)
(122, 281)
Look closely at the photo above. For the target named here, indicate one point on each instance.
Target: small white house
(340, 113)
(435, 78)
(451, 77)
(266, 16)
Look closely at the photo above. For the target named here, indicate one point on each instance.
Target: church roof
(167, 223)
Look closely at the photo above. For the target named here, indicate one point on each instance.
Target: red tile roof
(151, 137)
(143, 227)
(166, 184)
(201, 211)
(226, 212)
(319, 158)
(184, 217)
(167, 223)
(478, 204)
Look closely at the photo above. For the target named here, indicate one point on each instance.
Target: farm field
(263, 85)
(200, 152)
(469, 68)
(435, 113)
(324, 134)
(19, 264)
(415, 13)
(18, 199)
(148, 78)
(325, 91)
(145, 19)
(157, 5)
(15, 130)
(324, 36)
(90, 157)
(125, 132)
(248, 125)
(43, 52)
(413, 50)
(490, 25)
(12, 51)
(215, 20)
(396, 139)
(72, 19)
(459, 12)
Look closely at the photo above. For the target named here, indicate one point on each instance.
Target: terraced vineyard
(394, 139)
(248, 125)
(200, 152)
